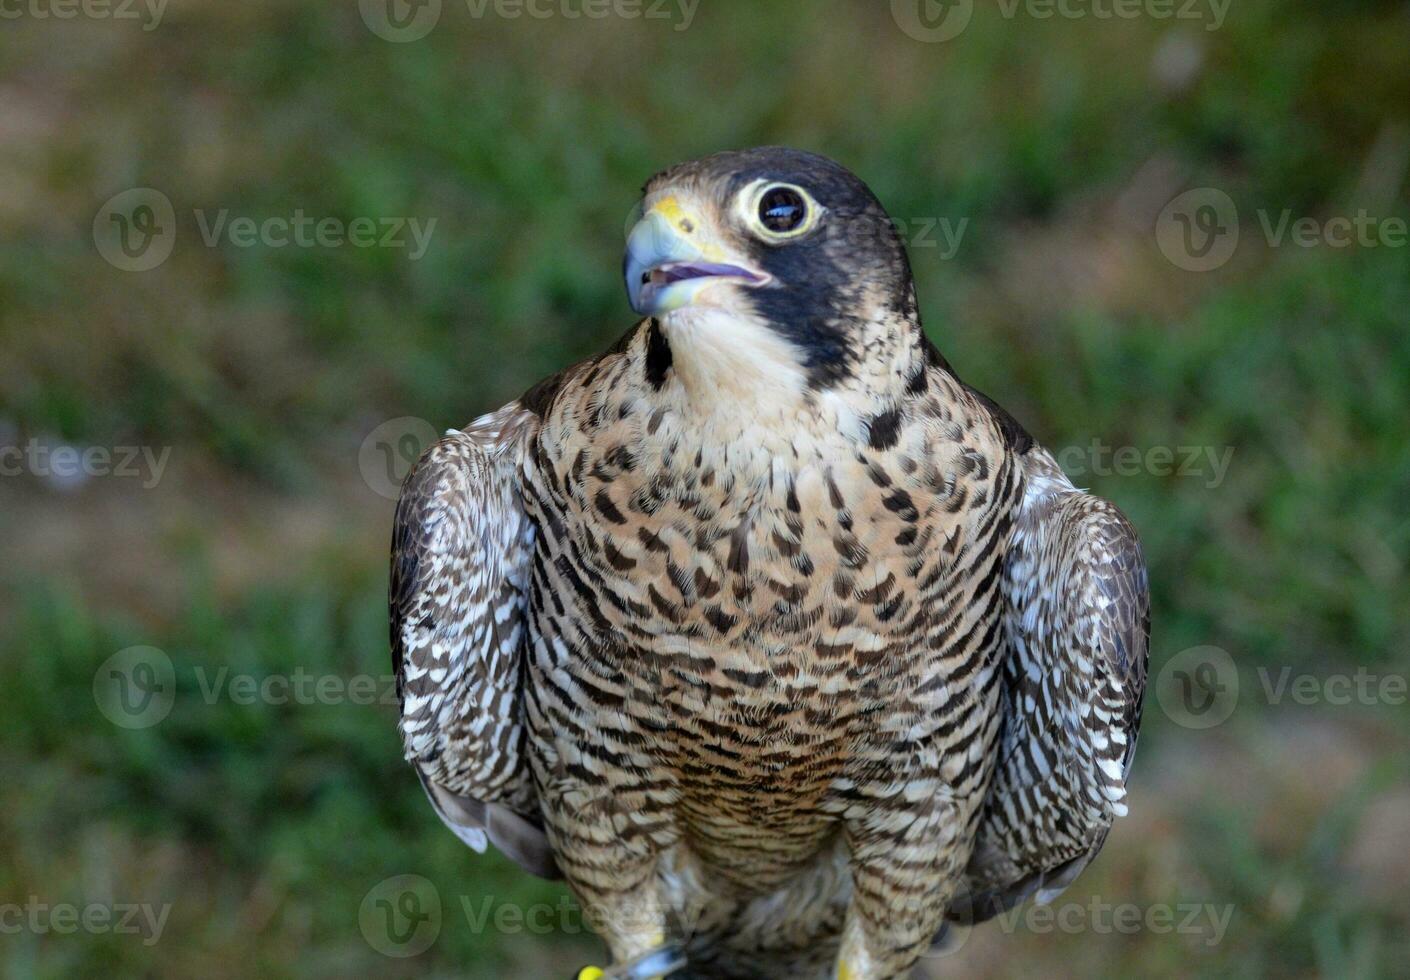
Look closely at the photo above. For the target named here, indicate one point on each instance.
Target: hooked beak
(671, 261)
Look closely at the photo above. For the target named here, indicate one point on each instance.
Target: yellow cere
(670, 209)
(591, 973)
(687, 224)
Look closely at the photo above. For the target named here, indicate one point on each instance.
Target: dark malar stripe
(658, 359)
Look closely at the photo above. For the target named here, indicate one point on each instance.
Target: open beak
(671, 261)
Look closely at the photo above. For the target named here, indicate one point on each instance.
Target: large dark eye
(782, 210)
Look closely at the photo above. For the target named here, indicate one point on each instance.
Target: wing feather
(1078, 625)
(461, 547)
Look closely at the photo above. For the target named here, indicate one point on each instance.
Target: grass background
(262, 548)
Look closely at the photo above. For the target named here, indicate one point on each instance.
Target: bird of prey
(775, 639)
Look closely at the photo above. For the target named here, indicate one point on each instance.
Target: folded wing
(461, 547)
(1078, 623)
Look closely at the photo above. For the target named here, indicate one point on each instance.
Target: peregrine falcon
(775, 639)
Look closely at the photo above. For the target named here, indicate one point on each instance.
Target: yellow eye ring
(777, 212)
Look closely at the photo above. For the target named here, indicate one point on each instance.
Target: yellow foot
(655, 965)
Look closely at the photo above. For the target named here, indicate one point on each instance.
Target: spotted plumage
(763, 629)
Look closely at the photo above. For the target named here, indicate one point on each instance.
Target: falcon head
(779, 254)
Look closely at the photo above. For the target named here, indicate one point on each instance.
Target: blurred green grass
(527, 141)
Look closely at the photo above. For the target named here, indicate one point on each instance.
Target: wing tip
(476, 838)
